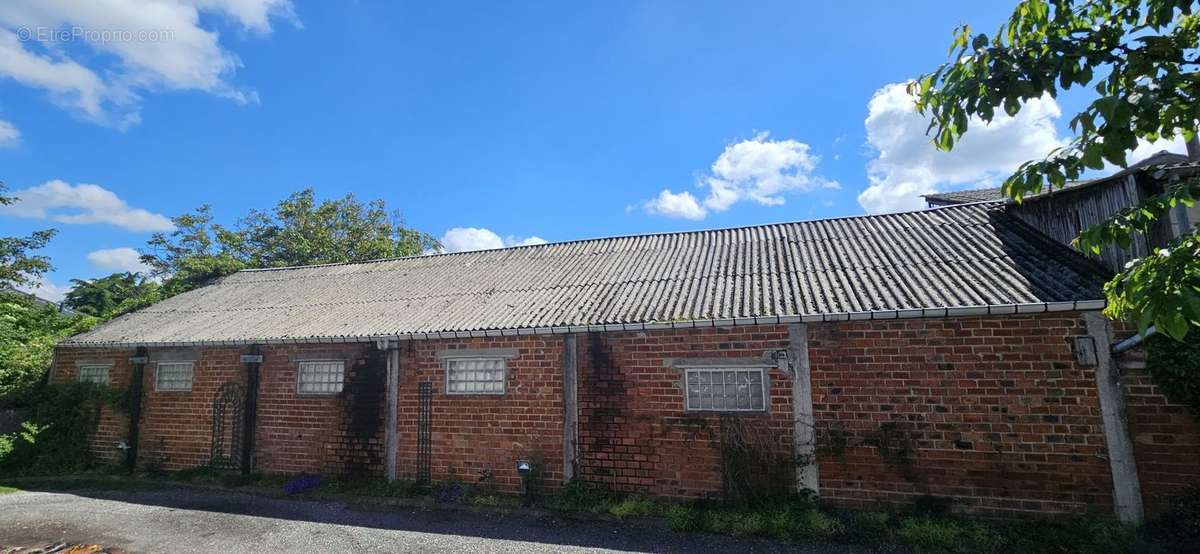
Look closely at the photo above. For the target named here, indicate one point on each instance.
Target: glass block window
(726, 390)
(94, 374)
(321, 377)
(475, 375)
(173, 376)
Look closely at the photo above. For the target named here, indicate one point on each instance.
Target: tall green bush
(55, 437)
(1174, 366)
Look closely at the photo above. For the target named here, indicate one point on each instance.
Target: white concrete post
(393, 407)
(570, 406)
(804, 422)
(1127, 492)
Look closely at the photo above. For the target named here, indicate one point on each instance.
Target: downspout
(253, 359)
(1133, 341)
(137, 364)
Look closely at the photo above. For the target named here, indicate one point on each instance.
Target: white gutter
(998, 309)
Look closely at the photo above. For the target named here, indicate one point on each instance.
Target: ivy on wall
(1175, 368)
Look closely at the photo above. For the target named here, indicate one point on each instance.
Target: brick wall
(1166, 436)
(474, 434)
(112, 426)
(635, 434)
(175, 428)
(295, 433)
(991, 412)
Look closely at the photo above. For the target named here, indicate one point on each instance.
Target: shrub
(55, 437)
(1174, 366)
(1180, 523)
(578, 496)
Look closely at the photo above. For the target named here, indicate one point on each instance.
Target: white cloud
(465, 239)
(678, 205)
(135, 47)
(528, 241)
(83, 204)
(46, 290)
(118, 259)
(759, 169)
(1145, 149)
(907, 164)
(9, 135)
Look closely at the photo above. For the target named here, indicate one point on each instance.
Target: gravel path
(186, 520)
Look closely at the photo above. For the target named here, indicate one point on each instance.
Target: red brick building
(954, 353)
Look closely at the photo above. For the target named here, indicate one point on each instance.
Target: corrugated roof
(965, 196)
(1161, 160)
(897, 265)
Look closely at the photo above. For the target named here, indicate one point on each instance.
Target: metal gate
(424, 454)
(228, 411)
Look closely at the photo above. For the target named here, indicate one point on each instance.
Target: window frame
(763, 372)
(300, 377)
(191, 368)
(107, 373)
(448, 360)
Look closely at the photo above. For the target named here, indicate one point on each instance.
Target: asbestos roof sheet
(958, 256)
(1160, 161)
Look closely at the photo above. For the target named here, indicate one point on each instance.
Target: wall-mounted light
(524, 467)
(781, 358)
(123, 446)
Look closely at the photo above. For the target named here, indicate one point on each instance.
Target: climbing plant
(1174, 365)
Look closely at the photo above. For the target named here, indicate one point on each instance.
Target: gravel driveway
(187, 520)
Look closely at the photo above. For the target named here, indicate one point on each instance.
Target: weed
(8, 490)
(687, 518)
(578, 496)
(946, 534)
(635, 507)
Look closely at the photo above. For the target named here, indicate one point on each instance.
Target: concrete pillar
(804, 430)
(1127, 492)
(137, 368)
(390, 438)
(570, 366)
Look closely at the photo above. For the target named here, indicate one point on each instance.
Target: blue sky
(484, 123)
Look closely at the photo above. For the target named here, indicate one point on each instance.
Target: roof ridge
(615, 237)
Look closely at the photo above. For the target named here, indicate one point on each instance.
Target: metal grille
(321, 377)
(726, 390)
(227, 426)
(424, 448)
(475, 376)
(173, 376)
(94, 374)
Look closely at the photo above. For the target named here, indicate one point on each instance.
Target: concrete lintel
(477, 353)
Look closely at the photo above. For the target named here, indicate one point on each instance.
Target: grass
(84, 483)
(785, 518)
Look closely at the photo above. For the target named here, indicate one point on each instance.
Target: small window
(726, 390)
(94, 374)
(173, 376)
(321, 377)
(475, 375)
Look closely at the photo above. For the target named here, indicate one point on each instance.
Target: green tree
(299, 230)
(108, 296)
(28, 332)
(1140, 58)
(17, 265)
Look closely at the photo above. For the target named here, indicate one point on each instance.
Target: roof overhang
(915, 313)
